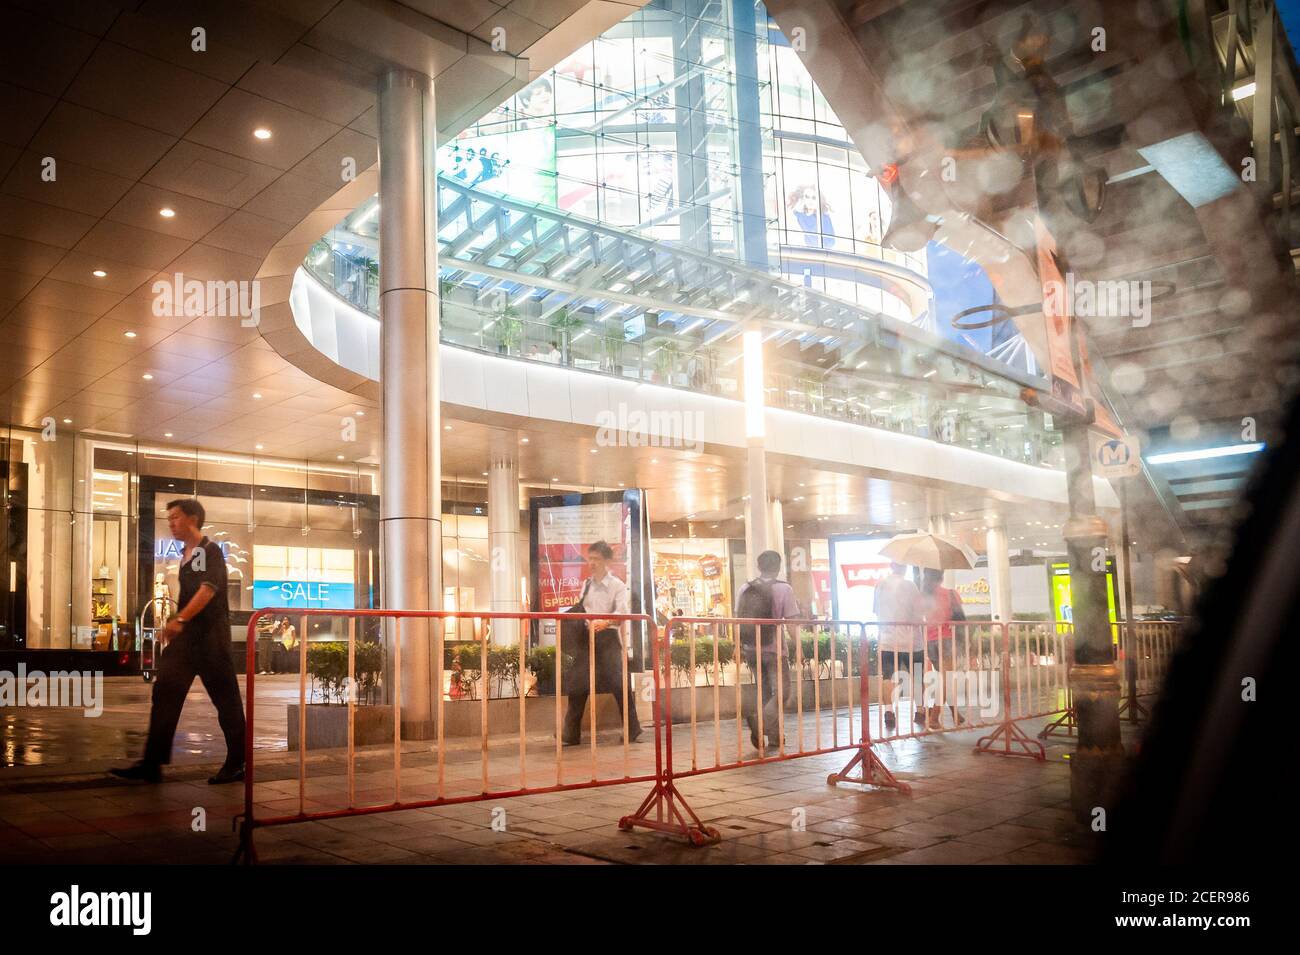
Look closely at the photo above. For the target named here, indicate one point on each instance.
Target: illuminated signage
(303, 594)
(167, 548)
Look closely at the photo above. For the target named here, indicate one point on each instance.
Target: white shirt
(898, 601)
(607, 595)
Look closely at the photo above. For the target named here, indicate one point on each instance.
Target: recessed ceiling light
(595, 451)
(262, 133)
(340, 457)
(99, 273)
(654, 460)
(485, 474)
(167, 434)
(67, 421)
(360, 413)
(257, 447)
(167, 212)
(446, 427)
(257, 394)
(129, 334)
(147, 377)
(523, 440)
(554, 479)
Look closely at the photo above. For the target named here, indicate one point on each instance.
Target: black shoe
(227, 774)
(634, 735)
(142, 771)
(753, 730)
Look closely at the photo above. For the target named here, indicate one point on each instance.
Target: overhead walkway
(530, 281)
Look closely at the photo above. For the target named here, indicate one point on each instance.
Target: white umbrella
(929, 550)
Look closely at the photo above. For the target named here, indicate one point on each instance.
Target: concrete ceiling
(135, 120)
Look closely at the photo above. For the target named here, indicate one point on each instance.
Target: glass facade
(86, 546)
(644, 140)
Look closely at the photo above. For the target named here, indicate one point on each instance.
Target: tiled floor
(964, 809)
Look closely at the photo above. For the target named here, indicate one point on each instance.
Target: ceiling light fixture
(262, 133)
(147, 377)
(129, 334)
(99, 273)
(167, 212)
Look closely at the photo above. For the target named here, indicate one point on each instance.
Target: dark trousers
(573, 713)
(186, 657)
(771, 711)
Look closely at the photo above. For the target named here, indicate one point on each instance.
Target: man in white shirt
(602, 593)
(902, 638)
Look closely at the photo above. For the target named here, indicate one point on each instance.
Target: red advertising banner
(1057, 319)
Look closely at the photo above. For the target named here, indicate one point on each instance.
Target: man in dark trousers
(197, 642)
(766, 598)
(602, 593)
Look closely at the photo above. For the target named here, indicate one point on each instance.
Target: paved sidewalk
(964, 809)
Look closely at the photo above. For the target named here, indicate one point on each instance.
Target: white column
(757, 514)
(411, 502)
(999, 555)
(776, 533)
(503, 535)
(938, 522)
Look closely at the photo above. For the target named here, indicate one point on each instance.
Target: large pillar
(938, 522)
(1094, 678)
(503, 535)
(999, 556)
(776, 533)
(757, 513)
(411, 501)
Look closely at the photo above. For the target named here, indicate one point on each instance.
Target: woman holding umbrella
(942, 607)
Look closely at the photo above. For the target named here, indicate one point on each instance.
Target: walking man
(602, 593)
(766, 598)
(197, 642)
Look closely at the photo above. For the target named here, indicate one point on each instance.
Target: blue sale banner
(303, 594)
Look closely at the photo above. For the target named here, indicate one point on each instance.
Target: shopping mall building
(668, 305)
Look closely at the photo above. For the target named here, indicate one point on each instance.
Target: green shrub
(327, 663)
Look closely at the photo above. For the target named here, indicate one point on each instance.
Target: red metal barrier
(249, 822)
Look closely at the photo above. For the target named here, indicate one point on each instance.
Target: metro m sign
(1117, 458)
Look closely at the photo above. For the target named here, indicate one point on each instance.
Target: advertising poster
(562, 528)
(1056, 317)
(856, 567)
(519, 164)
(1059, 586)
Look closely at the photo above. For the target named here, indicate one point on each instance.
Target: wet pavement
(964, 808)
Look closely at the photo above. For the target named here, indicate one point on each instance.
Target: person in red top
(942, 607)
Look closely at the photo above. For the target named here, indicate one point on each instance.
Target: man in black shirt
(197, 641)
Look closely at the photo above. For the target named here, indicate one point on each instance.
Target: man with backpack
(766, 598)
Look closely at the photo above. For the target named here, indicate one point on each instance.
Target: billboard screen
(856, 568)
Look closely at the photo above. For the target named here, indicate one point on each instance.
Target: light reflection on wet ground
(55, 736)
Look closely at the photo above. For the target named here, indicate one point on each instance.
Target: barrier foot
(874, 772)
(1131, 708)
(1065, 722)
(245, 852)
(1011, 736)
(666, 795)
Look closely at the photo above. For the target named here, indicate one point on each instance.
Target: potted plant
(666, 356)
(565, 323)
(327, 726)
(507, 329)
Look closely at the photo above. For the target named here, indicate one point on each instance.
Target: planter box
(327, 725)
